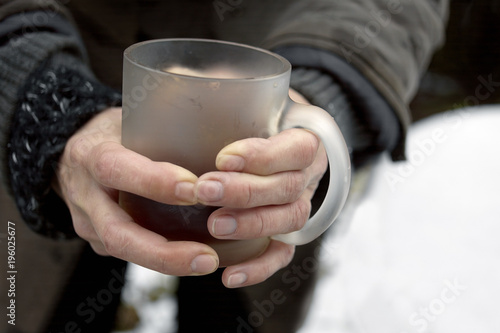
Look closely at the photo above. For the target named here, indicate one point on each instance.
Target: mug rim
(286, 64)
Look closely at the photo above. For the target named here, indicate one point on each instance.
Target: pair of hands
(267, 186)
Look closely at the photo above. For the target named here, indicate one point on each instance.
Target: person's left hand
(264, 187)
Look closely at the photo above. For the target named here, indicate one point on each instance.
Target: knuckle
(99, 250)
(323, 159)
(113, 243)
(267, 271)
(78, 149)
(111, 248)
(71, 189)
(82, 230)
(287, 255)
(305, 147)
(310, 148)
(256, 152)
(293, 185)
(104, 167)
(108, 244)
(259, 224)
(284, 257)
(247, 193)
(300, 213)
(321, 163)
(256, 146)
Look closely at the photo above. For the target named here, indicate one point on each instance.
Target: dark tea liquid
(189, 223)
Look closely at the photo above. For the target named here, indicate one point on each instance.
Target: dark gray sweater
(59, 65)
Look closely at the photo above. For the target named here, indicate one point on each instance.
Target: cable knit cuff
(55, 102)
(18, 58)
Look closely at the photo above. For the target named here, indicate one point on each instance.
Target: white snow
(421, 253)
(418, 252)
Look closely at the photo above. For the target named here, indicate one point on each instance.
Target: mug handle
(322, 124)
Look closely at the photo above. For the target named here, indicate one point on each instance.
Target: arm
(63, 137)
(375, 50)
(54, 103)
(26, 154)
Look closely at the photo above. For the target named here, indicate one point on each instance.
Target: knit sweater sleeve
(23, 50)
(47, 92)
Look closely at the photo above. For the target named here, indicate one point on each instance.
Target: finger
(114, 166)
(85, 230)
(257, 270)
(83, 226)
(292, 149)
(123, 238)
(243, 190)
(99, 248)
(259, 222)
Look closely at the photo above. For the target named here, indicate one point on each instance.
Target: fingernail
(184, 191)
(236, 280)
(230, 162)
(224, 225)
(210, 190)
(204, 264)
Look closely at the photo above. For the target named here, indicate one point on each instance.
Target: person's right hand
(94, 167)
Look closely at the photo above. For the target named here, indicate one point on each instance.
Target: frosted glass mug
(185, 99)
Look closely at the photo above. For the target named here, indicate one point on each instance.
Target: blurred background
(471, 51)
(470, 57)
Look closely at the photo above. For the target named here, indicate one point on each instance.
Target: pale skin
(264, 187)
